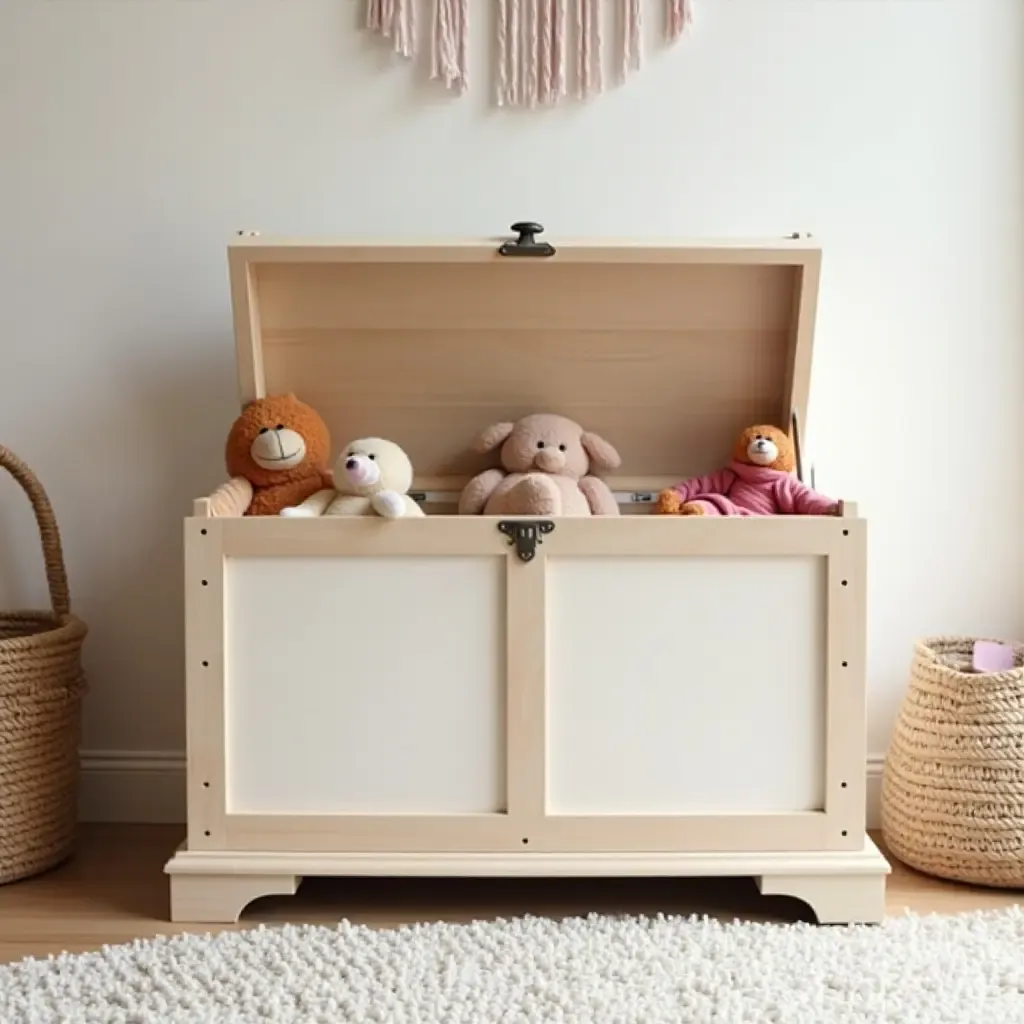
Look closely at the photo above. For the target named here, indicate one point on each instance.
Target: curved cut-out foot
(220, 899)
(835, 899)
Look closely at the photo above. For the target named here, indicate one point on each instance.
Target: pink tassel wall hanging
(560, 49)
(631, 26)
(450, 43)
(589, 79)
(532, 42)
(678, 15)
(394, 20)
(531, 52)
(545, 77)
(506, 90)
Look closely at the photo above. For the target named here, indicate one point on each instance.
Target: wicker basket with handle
(41, 688)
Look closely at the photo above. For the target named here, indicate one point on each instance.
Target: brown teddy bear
(277, 454)
(758, 481)
(547, 461)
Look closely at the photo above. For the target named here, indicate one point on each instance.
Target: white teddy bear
(371, 477)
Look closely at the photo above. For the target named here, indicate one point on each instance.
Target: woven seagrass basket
(953, 778)
(41, 688)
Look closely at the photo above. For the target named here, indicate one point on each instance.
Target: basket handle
(56, 574)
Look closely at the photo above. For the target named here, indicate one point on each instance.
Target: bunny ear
(602, 454)
(494, 435)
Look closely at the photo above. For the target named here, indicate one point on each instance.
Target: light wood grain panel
(526, 681)
(204, 682)
(669, 536)
(361, 536)
(666, 350)
(684, 833)
(246, 312)
(671, 400)
(538, 296)
(499, 833)
(797, 388)
(371, 833)
(846, 673)
(249, 247)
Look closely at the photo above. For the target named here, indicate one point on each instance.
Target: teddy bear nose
(351, 464)
(549, 459)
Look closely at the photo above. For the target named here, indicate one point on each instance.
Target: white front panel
(686, 684)
(366, 684)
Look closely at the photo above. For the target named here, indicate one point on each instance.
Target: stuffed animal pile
(278, 449)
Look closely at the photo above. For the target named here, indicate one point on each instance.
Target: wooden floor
(114, 890)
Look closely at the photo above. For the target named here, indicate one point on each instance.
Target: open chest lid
(665, 350)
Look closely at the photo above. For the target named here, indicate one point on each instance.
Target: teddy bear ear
(259, 400)
(786, 460)
(494, 435)
(602, 454)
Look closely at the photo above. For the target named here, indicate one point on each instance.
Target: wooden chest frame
(552, 807)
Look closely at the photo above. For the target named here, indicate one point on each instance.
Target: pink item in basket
(990, 656)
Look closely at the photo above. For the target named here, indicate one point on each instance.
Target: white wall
(135, 137)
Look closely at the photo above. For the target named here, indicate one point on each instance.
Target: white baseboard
(149, 787)
(139, 786)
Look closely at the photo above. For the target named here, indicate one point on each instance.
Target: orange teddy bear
(277, 454)
(758, 481)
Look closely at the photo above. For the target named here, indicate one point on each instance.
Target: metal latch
(526, 244)
(525, 534)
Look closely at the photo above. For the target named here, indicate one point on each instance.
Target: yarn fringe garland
(395, 20)
(679, 16)
(532, 38)
(450, 40)
(631, 19)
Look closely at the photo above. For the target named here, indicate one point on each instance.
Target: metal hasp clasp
(526, 244)
(525, 534)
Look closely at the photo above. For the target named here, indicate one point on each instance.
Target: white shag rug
(966, 969)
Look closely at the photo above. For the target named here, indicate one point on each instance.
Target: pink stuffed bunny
(547, 461)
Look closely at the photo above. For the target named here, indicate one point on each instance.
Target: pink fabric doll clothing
(718, 505)
(740, 489)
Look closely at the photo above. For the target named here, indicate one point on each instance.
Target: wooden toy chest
(458, 695)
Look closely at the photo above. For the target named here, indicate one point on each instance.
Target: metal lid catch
(526, 244)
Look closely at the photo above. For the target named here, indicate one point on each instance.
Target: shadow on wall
(126, 555)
